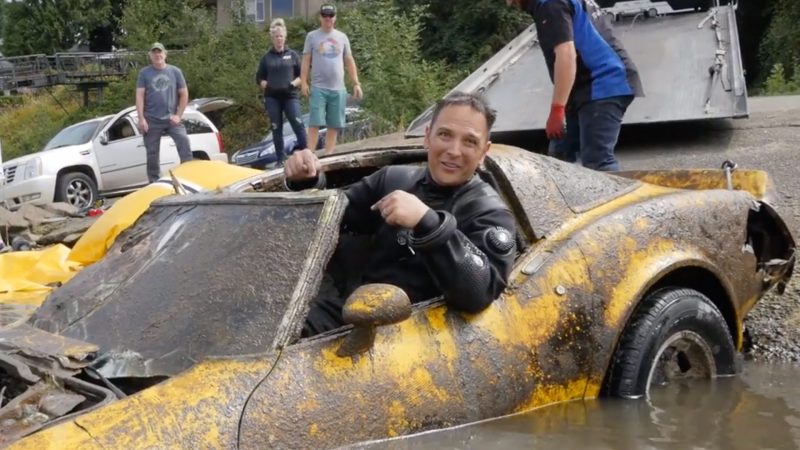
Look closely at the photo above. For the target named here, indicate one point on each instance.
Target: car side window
(195, 125)
(121, 129)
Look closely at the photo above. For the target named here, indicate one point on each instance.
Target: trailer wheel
(674, 334)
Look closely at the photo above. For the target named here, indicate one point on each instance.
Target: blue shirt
(604, 68)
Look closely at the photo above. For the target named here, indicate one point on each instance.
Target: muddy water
(759, 409)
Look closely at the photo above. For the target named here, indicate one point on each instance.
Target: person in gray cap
(326, 55)
(161, 98)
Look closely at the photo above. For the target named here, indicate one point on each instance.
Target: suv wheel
(674, 334)
(77, 189)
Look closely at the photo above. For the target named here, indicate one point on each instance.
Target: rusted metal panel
(675, 57)
(439, 368)
(197, 277)
(550, 191)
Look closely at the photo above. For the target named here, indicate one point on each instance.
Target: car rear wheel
(77, 189)
(674, 334)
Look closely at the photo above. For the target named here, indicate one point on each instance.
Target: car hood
(54, 153)
(200, 276)
(48, 403)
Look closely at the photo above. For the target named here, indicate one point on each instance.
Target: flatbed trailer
(689, 62)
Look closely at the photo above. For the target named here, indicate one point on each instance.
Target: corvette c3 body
(185, 337)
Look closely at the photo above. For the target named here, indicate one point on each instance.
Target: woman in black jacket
(279, 76)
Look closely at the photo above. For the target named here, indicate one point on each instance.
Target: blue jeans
(592, 134)
(276, 108)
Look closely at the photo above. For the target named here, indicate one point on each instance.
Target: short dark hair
(474, 101)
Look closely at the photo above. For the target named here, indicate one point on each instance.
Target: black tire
(674, 334)
(77, 189)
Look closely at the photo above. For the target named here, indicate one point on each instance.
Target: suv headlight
(32, 169)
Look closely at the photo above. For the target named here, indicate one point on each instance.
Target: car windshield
(74, 135)
(187, 288)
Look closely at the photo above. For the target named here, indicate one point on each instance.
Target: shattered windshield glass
(191, 279)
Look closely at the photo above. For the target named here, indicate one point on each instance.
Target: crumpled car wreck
(187, 333)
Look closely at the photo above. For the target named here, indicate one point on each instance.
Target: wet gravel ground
(769, 140)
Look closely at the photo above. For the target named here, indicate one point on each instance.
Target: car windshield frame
(160, 265)
(77, 134)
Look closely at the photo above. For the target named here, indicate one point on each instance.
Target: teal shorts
(327, 108)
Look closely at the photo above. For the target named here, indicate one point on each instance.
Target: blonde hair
(276, 26)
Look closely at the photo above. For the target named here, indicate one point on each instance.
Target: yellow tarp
(26, 277)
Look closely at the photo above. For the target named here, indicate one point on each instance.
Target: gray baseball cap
(158, 46)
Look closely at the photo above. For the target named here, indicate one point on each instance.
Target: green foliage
(178, 24)
(398, 83)
(225, 65)
(28, 126)
(781, 44)
(466, 32)
(779, 84)
(34, 26)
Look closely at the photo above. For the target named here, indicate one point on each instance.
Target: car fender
(199, 408)
(700, 236)
(78, 158)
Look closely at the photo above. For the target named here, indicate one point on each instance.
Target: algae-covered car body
(194, 335)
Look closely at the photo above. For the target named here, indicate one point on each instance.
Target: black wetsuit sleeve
(470, 265)
(358, 217)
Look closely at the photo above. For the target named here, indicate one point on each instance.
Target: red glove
(556, 123)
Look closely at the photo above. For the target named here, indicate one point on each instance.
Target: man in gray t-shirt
(326, 55)
(161, 98)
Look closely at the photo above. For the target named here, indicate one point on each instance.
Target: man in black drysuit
(438, 230)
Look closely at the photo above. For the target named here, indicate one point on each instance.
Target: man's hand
(302, 165)
(556, 123)
(304, 88)
(263, 85)
(401, 209)
(357, 92)
(174, 120)
(142, 124)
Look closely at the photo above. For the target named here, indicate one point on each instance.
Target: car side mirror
(104, 138)
(369, 307)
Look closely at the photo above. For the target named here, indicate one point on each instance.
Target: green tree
(781, 44)
(398, 81)
(466, 32)
(178, 24)
(50, 26)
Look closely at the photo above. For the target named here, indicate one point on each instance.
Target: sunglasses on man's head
(328, 15)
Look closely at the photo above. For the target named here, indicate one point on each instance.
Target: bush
(779, 84)
(27, 127)
(398, 83)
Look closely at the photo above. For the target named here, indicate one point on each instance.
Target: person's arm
(261, 73)
(352, 71)
(305, 67)
(297, 70)
(471, 264)
(554, 28)
(140, 88)
(183, 98)
(564, 70)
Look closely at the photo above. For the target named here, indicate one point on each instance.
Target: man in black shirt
(594, 79)
(439, 230)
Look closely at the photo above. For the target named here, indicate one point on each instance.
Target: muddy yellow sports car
(187, 334)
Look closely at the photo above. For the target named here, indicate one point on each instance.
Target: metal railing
(34, 71)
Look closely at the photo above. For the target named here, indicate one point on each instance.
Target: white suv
(105, 156)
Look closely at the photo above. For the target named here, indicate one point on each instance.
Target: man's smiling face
(457, 142)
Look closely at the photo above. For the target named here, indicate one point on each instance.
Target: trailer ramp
(689, 62)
